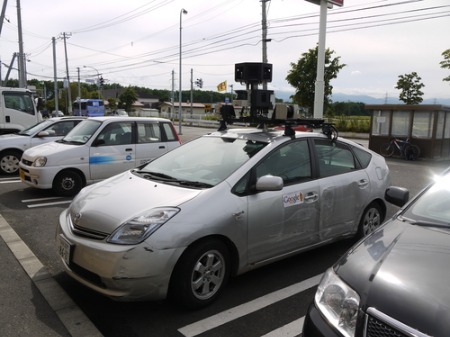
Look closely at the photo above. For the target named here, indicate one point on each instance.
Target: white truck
(17, 110)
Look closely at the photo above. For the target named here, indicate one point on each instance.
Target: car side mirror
(269, 183)
(397, 196)
(43, 134)
(99, 142)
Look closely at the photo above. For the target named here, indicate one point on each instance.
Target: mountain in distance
(365, 99)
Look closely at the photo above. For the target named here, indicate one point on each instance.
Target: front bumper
(315, 325)
(122, 272)
(38, 177)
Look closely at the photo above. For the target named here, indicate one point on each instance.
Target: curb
(71, 316)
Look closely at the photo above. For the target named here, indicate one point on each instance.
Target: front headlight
(139, 228)
(338, 303)
(40, 162)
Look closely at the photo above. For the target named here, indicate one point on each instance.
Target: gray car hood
(104, 206)
(403, 271)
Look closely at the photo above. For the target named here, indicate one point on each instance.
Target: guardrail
(200, 122)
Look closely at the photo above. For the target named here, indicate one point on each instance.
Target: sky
(137, 42)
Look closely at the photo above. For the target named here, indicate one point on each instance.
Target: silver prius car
(218, 206)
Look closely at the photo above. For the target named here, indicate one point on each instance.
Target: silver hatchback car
(218, 206)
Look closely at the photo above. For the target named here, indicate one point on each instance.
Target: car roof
(271, 135)
(126, 118)
(66, 117)
(262, 135)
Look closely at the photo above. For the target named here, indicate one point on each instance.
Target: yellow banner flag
(222, 86)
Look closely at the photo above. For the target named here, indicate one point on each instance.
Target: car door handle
(311, 197)
(363, 183)
(129, 149)
(162, 147)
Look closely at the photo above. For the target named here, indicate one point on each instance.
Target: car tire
(200, 274)
(67, 183)
(9, 162)
(371, 219)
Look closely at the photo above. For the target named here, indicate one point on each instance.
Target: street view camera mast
(252, 74)
(256, 103)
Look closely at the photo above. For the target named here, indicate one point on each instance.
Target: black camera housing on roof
(253, 72)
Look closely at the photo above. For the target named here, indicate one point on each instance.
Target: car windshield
(36, 128)
(203, 162)
(432, 207)
(82, 132)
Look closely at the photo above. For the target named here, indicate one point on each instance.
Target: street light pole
(98, 79)
(79, 93)
(183, 11)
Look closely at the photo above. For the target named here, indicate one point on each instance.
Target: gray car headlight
(139, 228)
(338, 303)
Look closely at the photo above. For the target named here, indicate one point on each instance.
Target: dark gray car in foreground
(395, 282)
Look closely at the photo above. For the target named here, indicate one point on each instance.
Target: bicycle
(402, 146)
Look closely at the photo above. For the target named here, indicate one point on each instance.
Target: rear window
(334, 158)
(363, 157)
(170, 132)
(148, 132)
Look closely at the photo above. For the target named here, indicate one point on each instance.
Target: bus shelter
(427, 126)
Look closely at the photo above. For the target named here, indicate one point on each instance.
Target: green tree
(303, 76)
(127, 98)
(112, 103)
(410, 85)
(445, 64)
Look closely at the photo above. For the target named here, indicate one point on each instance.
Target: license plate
(21, 174)
(64, 249)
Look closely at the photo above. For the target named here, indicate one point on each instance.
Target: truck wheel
(67, 183)
(9, 162)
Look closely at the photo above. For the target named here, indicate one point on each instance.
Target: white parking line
(50, 204)
(229, 315)
(32, 202)
(9, 181)
(289, 330)
(40, 199)
(73, 318)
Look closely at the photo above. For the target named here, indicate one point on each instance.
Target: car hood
(49, 149)
(106, 205)
(13, 139)
(403, 271)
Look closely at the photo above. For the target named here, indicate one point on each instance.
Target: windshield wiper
(194, 183)
(74, 142)
(425, 223)
(156, 175)
(166, 178)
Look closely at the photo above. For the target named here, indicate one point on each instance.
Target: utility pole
(264, 36)
(69, 95)
(21, 58)
(192, 89)
(172, 109)
(320, 83)
(79, 92)
(10, 67)
(2, 16)
(56, 93)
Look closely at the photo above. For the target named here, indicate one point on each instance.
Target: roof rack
(327, 128)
